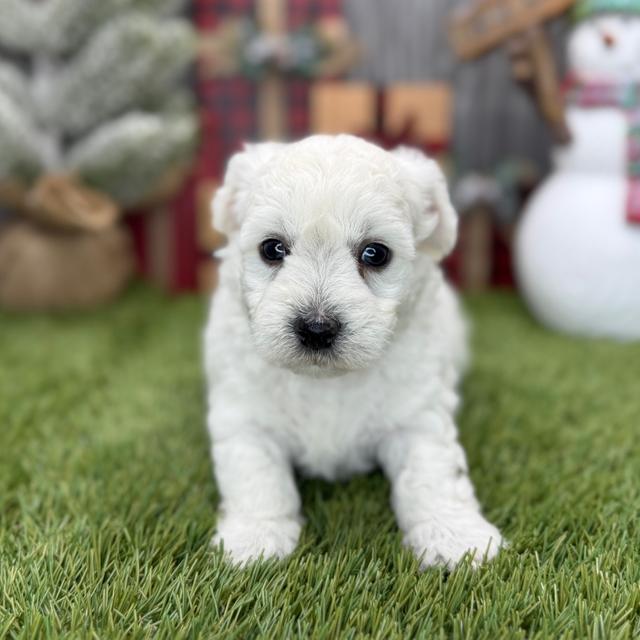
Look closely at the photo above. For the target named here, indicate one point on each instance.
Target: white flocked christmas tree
(93, 93)
(89, 87)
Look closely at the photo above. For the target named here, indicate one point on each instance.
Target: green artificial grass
(107, 500)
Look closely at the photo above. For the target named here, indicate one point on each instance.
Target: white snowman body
(577, 255)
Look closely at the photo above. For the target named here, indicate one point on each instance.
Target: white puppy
(334, 345)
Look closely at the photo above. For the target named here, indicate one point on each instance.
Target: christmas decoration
(578, 247)
(486, 24)
(266, 50)
(91, 122)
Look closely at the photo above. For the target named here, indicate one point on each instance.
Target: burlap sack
(42, 268)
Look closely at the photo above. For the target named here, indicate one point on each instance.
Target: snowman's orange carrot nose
(608, 39)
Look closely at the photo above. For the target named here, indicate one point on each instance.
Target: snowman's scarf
(627, 98)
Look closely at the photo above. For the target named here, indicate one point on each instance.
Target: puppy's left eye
(273, 250)
(375, 255)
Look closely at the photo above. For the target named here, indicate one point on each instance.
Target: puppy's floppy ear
(229, 204)
(435, 219)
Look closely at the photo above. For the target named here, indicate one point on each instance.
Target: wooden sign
(487, 24)
(484, 25)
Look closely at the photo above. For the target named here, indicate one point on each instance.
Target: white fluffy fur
(386, 395)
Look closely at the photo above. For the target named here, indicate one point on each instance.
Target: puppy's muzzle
(317, 334)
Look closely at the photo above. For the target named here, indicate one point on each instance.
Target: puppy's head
(327, 232)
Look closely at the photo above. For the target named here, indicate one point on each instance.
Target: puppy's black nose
(317, 334)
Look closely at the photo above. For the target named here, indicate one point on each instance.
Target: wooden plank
(488, 23)
(342, 107)
(547, 85)
(272, 18)
(272, 107)
(476, 250)
(160, 255)
(208, 276)
(207, 238)
(426, 108)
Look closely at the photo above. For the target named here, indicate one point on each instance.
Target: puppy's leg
(433, 498)
(259, 511)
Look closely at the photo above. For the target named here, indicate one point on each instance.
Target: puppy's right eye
(375, 255)
(273, 250)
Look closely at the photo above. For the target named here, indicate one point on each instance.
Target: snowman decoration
(578, 245)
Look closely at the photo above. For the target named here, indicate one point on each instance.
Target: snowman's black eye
(273, 250)
(375, 255)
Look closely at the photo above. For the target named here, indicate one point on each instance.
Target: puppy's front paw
(246, 540)
(446, 539)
